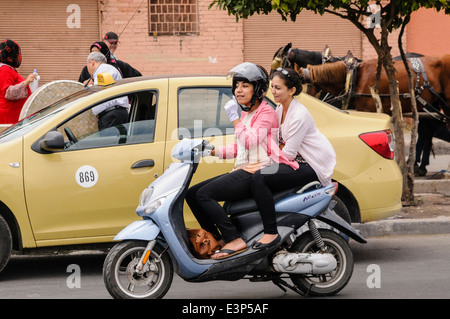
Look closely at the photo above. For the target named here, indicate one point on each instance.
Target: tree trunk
(408, 195)
(374, 89)
(397, 122)
(384, 53)
(383, 50)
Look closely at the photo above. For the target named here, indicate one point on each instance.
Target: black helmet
(254, 74)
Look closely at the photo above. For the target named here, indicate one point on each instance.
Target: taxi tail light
(332, 190)
(381, 142)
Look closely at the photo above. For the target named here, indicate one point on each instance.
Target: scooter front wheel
(123, 281)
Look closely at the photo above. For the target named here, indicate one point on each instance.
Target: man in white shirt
(110, 113)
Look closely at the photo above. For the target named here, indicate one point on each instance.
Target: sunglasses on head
(283, 71)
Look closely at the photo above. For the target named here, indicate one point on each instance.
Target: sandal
(229, 252)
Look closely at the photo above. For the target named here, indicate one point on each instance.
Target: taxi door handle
(144, 163)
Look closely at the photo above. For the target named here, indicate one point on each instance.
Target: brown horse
(287, 56)
(332, 78)
(279, 58)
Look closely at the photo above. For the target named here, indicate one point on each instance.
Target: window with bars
(173, 17)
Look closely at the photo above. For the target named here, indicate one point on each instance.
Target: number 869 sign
(86, 176)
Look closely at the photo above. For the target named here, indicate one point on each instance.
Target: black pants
(274, 178)
(427, 129)
(203, 200)
(112, 118)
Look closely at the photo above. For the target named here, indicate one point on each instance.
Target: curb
(433, 186)
(390, 227)
(406, 226)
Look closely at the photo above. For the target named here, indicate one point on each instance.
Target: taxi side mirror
(52, 141)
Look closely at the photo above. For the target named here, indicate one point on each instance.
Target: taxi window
(201, 112)
(82, 131)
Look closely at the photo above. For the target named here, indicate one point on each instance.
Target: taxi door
(196, 111)
(89, 191)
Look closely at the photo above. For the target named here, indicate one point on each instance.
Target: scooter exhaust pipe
(304, 263)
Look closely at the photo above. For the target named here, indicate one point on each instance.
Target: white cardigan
(301, 135)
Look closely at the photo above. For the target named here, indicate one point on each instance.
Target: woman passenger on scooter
(255, 135)
(311, 156)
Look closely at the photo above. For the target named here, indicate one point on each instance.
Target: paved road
(387, 267)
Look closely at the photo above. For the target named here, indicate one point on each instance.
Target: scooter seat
(249, 204)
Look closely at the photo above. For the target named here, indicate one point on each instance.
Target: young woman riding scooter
(311, 155)
(317, 259)
(255, 147)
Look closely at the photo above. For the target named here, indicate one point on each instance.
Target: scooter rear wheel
(331, 283)
(123, 282)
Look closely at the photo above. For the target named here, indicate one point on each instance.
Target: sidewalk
(432, 214)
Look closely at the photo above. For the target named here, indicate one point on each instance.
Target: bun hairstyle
(291, 79)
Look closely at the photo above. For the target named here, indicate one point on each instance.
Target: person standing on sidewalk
(110, 113)
(111, 39)
(14, 89)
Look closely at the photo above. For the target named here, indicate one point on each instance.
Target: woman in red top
(14, 89)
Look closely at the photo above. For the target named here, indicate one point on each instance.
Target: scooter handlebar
(207, 148)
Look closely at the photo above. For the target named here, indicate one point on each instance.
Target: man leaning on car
(113, 112)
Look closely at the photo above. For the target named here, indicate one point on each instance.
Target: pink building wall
(429, 32)
(219, 45)
(217, 48)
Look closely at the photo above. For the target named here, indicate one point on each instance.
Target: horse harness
(352, 67)
(418, 68)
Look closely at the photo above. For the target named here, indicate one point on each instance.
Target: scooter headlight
(154, 205)
(145, 196)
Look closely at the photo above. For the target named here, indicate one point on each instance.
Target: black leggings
(270, 179)
(203, 197)
(203, 200)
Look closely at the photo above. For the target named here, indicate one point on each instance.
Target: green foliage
(393, 12)
(243, 8)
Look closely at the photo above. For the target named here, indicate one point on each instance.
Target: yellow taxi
(65, 183)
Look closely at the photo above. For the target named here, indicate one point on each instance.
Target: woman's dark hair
(291, 79)
(103, 49)
(10, 53)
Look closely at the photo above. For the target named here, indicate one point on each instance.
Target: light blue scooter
(313, 251)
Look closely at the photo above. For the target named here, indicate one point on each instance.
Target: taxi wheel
(5, 243)
(341, 210)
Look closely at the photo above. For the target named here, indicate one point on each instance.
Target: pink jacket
(264, 131)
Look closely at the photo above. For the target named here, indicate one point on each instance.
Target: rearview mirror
(53, 141)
